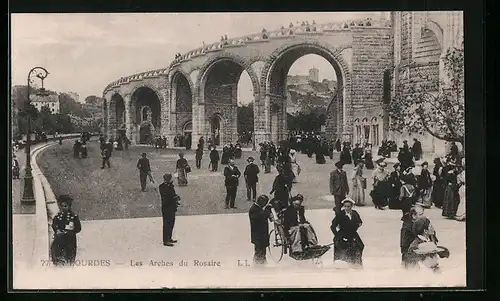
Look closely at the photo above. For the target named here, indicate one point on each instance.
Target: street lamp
(28, 195)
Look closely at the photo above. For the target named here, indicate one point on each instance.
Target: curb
(46, 206)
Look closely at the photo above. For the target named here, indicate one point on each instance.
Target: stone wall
(372, 55)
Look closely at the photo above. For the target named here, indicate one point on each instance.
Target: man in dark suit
(169, 203)
(106, 153)
(301, 233)
(232, 175)
(214, 159)
(199, 155)
(339, 187)
(251, 178)
(259, 228)
(144, 170)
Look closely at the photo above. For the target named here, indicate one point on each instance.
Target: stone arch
(340, 125)
(214, 130)
(141, 97)
(436, 29)
(115, 110)
(228, 56)
(179, 71)
(146, 85)
(333, 52)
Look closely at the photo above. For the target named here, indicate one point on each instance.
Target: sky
(85, 52)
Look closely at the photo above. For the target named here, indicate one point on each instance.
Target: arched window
(145, 113)
(375, 132)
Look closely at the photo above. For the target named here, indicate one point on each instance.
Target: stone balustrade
(296, 30)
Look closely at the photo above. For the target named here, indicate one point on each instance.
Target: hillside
(309, 95)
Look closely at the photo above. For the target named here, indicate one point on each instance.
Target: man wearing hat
(259, 228)
(66, 225)
(339, 187)
(169, 203)
(251, 179)
(231, 174)
(144, 170)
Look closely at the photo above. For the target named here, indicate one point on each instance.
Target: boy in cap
(251, 179)
(66, 225)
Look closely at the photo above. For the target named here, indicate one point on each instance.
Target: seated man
(301, 233)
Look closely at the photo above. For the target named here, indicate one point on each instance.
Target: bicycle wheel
(275, 246)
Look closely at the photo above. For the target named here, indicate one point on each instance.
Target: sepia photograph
(238, 150)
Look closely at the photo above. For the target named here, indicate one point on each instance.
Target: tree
(245, 118)
(92, 100)
(428, 104)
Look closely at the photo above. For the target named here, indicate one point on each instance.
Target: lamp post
(28, 195)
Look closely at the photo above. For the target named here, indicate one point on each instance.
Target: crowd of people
(411, 187)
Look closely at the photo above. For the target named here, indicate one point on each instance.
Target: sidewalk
(23, 222)
(128, 254)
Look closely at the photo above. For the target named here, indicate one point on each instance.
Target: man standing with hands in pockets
(251, 178)
(339, 186)
(232, 175)
(144, 170)
(169, 203)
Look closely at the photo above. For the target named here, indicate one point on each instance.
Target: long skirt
(350, 251)
(295, 170)
(301, 236)
(394, 202)
(63, 249)
(450, 201)
(437, 194)
(320, 158)
(182, 177)
(426, 197)
(460, 215)
(358, 193)
(380, 194)
(267, 166)
(413, 259)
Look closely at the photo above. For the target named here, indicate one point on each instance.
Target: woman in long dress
(460, 215)
(347, 245)
(395, 187)
(359, 185)
(438, 185)
(451, 197)
(380, 192)
(295, 165)
(425, 186)
(369, 158)
(182, 166)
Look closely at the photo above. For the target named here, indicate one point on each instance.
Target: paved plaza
(121, 232)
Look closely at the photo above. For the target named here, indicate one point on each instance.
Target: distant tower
(314, 74)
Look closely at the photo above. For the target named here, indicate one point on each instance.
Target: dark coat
(229, 174)
(348, 246)
(293, 217)
(143, 165)
(338, 183)
(424, 180)
(251, 173)
(281, 188)
(259, 226)
(199, 153)
(169, 199)
(214, 156)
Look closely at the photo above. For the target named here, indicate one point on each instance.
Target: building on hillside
(314, 74)
(49, 100)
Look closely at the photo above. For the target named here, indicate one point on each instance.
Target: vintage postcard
(238, 150)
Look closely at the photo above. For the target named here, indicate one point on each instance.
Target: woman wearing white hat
(460, 215)
(348, 246)
(295, 165)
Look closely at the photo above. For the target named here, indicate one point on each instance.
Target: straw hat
(427, 248)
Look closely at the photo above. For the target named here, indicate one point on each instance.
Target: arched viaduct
(197, 93)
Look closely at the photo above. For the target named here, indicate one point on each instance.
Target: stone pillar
(234, 113)
(128, 117)
(111, 120)
(197, 123)
(262, 114)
